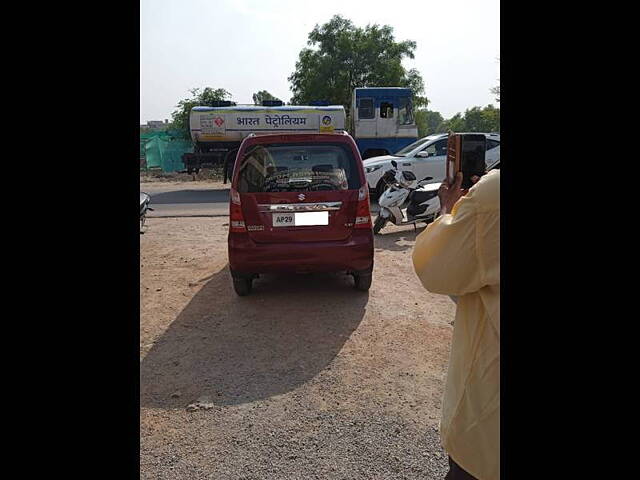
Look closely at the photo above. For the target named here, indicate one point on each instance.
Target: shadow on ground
(191, 196)
(395, 240)
(240, 349)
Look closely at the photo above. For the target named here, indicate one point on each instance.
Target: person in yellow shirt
(459, 255)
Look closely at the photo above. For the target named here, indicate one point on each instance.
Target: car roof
(439, 135)
(297, 134)
(338, 137)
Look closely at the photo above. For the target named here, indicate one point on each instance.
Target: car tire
(242, 286)
(379, 224)
(362, 281)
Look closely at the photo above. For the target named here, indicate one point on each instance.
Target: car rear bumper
(352, 254)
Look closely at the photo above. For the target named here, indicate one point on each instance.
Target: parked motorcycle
(406, 200)
(144, 208)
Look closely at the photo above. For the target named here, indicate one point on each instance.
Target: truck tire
(229, 158)
(374, 152)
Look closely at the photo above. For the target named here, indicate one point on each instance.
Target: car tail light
(363, 211)
(236, 219)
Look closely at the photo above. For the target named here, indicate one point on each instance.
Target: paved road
(189, 202)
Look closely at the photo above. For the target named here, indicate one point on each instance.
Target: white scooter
(406, 200)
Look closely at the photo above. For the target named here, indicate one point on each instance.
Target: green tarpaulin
(164, 149)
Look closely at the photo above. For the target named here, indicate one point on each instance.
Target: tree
(485, 119)
(496, 90)
(475, 119)
(455, 123)
(491, 118)
(262, 95)
(428, 122)
(344, 57)
(199, 98)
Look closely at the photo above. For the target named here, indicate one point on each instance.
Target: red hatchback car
(299, 204)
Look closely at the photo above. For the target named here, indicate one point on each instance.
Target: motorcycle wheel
(379, 224)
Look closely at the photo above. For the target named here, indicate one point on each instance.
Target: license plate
(300, 219)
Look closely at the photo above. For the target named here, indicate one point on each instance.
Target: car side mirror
(422, 154)
(394, 163)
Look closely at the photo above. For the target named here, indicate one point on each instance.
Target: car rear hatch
(305, 192)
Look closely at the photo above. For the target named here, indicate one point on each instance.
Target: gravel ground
(305, 378)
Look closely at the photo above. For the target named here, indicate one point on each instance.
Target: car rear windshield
(297, 167)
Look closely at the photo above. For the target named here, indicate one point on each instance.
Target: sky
(245, 46)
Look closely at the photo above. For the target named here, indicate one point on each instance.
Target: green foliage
(345, 57)
(199, 98)
(496, 92)
(475, 119)
(428, 122)
(262, 95)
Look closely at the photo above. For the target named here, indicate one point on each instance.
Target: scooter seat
(419, 197)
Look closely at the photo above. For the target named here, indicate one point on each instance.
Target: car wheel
(362, 281)
(242, 286)
(379, 224)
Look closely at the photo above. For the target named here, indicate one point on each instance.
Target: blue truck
(382, 120)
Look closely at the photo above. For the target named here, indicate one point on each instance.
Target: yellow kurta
(459, 255)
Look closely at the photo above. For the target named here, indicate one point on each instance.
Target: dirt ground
(304, 378)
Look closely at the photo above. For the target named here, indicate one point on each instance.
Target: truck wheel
(362, 281)
(379, 224)
(229, 163)
(242, 286)
(377, 152)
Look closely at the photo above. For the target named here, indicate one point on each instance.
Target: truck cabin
(382, 120)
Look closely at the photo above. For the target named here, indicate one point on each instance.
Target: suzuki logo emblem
(301, 197)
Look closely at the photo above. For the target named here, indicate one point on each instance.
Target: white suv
(425, 158)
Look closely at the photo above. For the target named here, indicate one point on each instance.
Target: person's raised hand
(450, 194)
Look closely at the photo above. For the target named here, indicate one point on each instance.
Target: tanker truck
(218, 131)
